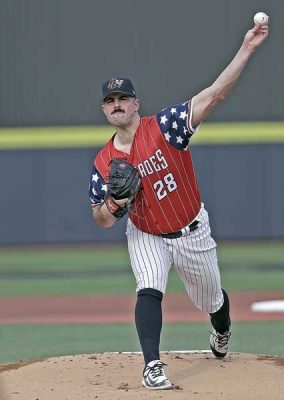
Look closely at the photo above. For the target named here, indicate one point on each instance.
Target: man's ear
(137, 103)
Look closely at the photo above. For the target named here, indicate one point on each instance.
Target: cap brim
(119, 91)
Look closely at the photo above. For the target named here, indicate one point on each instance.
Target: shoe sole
(217, 354)
(166, 387)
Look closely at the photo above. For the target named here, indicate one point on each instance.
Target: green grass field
(24, 342)
(92, 270)
(88, 271)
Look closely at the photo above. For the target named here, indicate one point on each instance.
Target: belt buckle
(191, 227)
(187, 229)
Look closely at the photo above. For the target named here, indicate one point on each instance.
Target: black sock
(148, 319)
(220, 320)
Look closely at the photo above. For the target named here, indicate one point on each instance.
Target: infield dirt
(117, 376)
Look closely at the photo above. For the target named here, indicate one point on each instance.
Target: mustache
(117, 110)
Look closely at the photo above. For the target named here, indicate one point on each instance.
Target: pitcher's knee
(209, 304)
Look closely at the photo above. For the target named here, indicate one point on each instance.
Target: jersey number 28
(162, 187)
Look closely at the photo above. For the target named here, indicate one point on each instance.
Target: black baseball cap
(118, 85)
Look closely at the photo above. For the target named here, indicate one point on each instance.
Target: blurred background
(54, 56)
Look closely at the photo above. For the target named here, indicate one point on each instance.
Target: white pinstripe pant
(193, 256)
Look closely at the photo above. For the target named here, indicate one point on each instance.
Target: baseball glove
(124, 182)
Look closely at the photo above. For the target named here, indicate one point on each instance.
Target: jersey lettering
(162, 159)
(155, 163)
(169, 182)
(141, 170)
(148, 167)
(159, 188)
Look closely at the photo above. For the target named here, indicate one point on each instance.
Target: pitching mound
(118, 376)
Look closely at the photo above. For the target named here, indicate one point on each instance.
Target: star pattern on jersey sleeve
(97, 187)
(174, 125)
(183, 115)
(173, 122)
(163, 119)
(167, 136)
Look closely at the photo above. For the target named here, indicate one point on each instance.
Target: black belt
(189, 228)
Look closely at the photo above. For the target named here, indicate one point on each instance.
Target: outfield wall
(44, 193)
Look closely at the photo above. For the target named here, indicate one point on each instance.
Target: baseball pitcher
(146, 172)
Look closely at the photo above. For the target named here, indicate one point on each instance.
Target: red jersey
(170, 198)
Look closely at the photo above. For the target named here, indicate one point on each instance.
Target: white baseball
(261, 18)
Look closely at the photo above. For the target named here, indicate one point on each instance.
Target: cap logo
(115, 83)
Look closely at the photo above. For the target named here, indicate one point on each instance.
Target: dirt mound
(116, 376)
